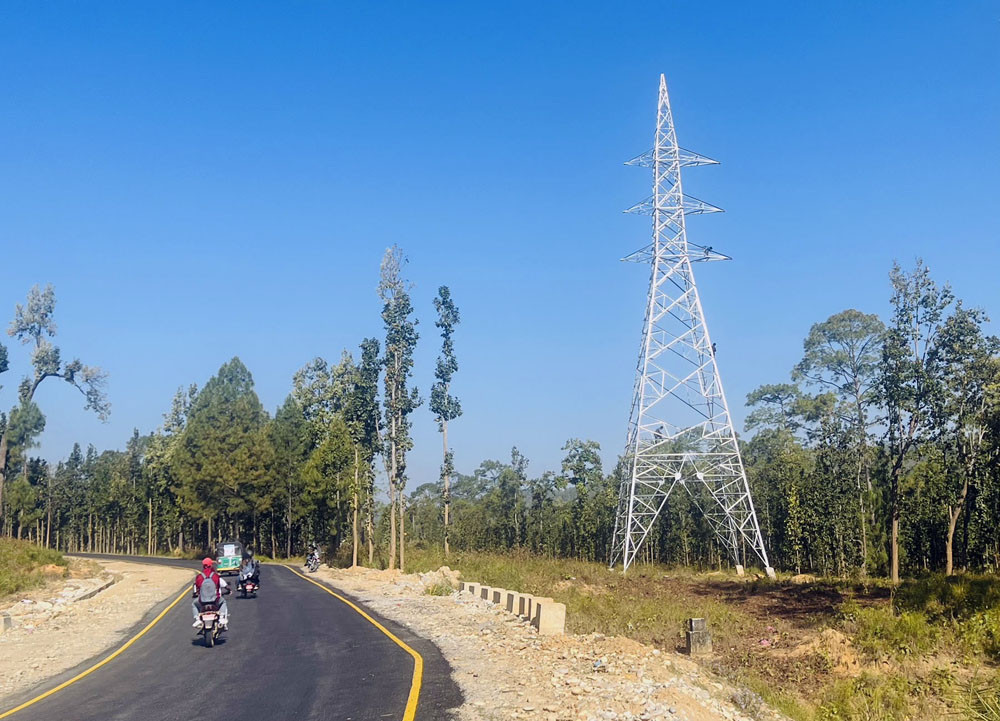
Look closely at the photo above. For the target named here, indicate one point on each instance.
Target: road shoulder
(440, 695)
(507, 671)
(52, 644)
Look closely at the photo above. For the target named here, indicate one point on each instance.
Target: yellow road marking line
(418, 662)
(97, 665)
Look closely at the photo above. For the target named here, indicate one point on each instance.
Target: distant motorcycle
(248, 588)
(312, 561)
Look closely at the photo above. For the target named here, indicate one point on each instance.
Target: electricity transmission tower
(680, 431)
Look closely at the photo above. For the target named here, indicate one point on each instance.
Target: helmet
(207, 562)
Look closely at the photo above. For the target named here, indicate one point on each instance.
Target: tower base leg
(739, 570)
(770, 573)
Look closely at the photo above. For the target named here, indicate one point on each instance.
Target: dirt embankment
(66, 622)
(507, 671)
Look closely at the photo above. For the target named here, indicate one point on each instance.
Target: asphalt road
(294, 653)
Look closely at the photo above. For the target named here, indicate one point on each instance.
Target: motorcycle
(312, 562)
(248, 588)
(210, 628)
(209, 616)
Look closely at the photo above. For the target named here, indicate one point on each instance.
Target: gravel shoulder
(60, 626)
(507, 671)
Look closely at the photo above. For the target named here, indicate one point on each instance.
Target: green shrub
(981, 633)
(20, 564)
(441, 588)
(880, 633)
(868, 697)
(950, 597)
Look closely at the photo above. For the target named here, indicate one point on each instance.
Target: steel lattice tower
(680, 431)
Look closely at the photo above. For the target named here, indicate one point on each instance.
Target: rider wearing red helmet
(208, 588)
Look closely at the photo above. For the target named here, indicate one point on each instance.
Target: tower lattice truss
(680, 431)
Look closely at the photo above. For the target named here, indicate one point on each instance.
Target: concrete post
(497, 595)
(739, 570)
(533, 606)
(524, 605)
(510, 601)
(699, 640)
(472, 588)
(770, 573)
(549, 618)
(6, 622)
(484, 592)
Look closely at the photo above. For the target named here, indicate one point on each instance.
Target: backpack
(208, 592)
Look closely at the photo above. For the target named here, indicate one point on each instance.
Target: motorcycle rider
(313, 558)
(213, 585)
(250, 571)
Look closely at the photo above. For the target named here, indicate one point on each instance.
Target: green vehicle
(228, 556)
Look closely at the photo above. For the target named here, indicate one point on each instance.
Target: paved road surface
(294, 653)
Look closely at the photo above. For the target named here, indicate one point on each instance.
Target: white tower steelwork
(680, 432)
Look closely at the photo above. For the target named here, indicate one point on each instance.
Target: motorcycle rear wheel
(209, 638)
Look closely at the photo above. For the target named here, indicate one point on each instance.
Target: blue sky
(206, 181)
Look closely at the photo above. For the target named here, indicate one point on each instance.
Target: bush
(981, 633)
(21, 563)
(950, 597)
(880, 633)
(868, 697)
(441, 588)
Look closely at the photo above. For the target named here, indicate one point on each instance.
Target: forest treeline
(877, 455)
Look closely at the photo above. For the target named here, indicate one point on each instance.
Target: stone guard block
(549, 618)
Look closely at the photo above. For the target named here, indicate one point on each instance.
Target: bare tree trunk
(392, 498)
(954, 512)
(354, 524)
(272, 534)
(894, 540)
(288, 540)
(3, 466)
(150, 543)
(392, 525)
(447, 485)
(402, 534)
(371, 530)
(48, 513)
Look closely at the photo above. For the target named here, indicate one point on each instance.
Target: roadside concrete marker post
(497, 595)
(484, 592)
(699, 640)
(550, 618)
(533, 607)
(510, 601)
(524, 605)
(6, 622)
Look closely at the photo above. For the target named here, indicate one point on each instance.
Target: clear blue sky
(206, 180)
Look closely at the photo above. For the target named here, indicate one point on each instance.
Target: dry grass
(827, 650)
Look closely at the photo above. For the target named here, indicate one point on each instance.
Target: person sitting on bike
(312, 560)
(208, 589)
(250, 571)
